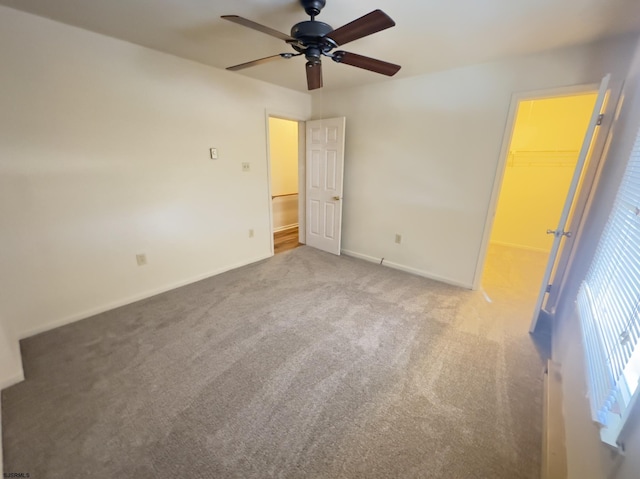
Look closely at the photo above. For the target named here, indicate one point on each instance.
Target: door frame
(585, 190)
(302, 166)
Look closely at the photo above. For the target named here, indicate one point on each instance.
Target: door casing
(301, 172)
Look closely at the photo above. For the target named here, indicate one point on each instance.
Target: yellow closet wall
(544, 149)
(283, 140)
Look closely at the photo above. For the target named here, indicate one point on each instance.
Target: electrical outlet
(213, 153)
(250, 233)
(141, 259)
(246, 166)
(398, 238)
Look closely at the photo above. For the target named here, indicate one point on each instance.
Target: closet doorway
(547, 137)
(284, 151)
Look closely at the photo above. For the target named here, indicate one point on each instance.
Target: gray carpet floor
(305, 365)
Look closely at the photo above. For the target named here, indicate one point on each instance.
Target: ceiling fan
(314, 39)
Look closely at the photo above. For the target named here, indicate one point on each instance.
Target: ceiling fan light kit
(315, 39)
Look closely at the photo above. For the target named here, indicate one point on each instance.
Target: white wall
(421, 153)
(587, 457)
(104, 153)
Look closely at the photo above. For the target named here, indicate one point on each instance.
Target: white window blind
(608, 305)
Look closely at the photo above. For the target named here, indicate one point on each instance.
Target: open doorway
(284, 157)
(547, 137)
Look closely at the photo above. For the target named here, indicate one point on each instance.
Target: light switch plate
(246, 166)
(213, 153)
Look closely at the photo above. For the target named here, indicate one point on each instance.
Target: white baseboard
(132, 299)
(519, 246)
(285, 228)
(407, 269)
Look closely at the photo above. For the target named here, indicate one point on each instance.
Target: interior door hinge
(600, 117)
(549, 288)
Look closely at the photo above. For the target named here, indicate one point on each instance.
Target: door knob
(337, 198)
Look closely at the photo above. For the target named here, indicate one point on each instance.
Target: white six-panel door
(325, 168)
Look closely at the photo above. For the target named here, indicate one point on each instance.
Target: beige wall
(422, 152)
(104, 153)
(547, 137)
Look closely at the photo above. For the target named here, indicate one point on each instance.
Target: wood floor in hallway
(285, 240)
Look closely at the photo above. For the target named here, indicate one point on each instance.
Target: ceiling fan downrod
(313, 7)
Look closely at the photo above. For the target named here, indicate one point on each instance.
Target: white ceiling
(429, 34)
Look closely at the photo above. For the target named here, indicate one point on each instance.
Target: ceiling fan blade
(371, 23)
(371, 64)
(260, 61)
(314, 75)
(261, 28)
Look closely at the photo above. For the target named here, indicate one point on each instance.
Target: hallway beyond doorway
(285, 240)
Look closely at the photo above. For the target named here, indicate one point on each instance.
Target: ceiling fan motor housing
(313, 7)
(312, 35)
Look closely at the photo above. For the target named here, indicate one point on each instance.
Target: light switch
(246, 167)
(213, 153)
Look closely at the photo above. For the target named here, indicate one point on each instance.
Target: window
(609, 304)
